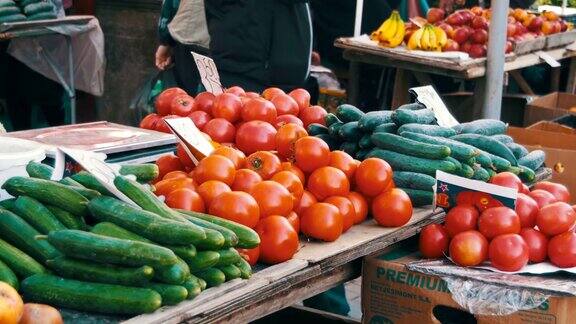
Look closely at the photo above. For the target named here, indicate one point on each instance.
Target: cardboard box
(393, 294)
(549, 107)
(559, 143)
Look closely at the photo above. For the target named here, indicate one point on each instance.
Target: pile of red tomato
(540, 228)
(304, 188)
(247, 119)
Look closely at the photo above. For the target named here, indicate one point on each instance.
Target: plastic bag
(143, 101)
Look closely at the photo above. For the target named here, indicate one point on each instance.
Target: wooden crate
(560, 39)
(528, 46)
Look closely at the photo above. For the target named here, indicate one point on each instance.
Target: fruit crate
(529, 46)
(561, 39)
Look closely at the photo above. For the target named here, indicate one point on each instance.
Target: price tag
(208, 73)
(196, 145)
(427, 96)
(548, 59)
(102, 171)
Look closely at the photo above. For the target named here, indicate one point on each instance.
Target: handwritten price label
(429, 97)
(208, 73)
(196, 145)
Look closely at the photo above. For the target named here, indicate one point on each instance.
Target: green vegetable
(386, 128)
(88, 296)
(39, 170)
(350, 147)
(350, 131)
(348, 113)
(316, 129)
(19, 262)
(420, 197)
(230, 271)
(70, 182)
(406, 116)
(37, 215)
(431, 130)
(192, 285)
(413, 180)
(203, 260)
(245, 269)
(144, 172)
(247, 237)
(527, 174)
(228, 256)
(410, 147)
(230, 238)
(87, 193)
(480, 174)
(68, 220)
(89, 181)
(203, 284)
(372, 119)
(333, 142)
(533, 160)
(330, 119)
(412, 106)
(171, 294)
(8, 276)
(503, 138)
(361, 154)
(7, 3)
(515, 170)
(8, 11)
(365, 141)
(489, 145)
(518, 150)
(459, 151)
(484, 160)
(334, 129)
(12, 18)
(500, 164)
(42, 16)
(486, 127)
(213, 277)
(402, 162)
(8, 204)
(466, 171)
(39, 7)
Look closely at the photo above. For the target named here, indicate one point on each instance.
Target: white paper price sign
(193, 139)
(102, 171)
(208, 73)
(427, 96)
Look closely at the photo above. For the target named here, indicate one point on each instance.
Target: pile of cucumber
(412, 142)
(75, 246)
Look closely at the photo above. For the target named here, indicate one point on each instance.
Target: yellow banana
(441, 38)
(415, 39)
(398, 37)
(432, 37)
(390, 30)
(378, 32)
(425, 40)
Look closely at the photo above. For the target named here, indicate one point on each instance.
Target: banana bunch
(428, 38)
(391, 32)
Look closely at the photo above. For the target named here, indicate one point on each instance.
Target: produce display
(541, 228)
(465, 30)
(71, 244)
(20, 10)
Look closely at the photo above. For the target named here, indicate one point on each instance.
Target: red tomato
(286, 136)
(255, 136)
(560, 192)
(562, 250)
(346, 209)
(498, 221)
(200, 118)
(525, 189)
(162, 126)
(302, 98)
(291, 182)
(251, 95)
(234, 155)
(433, 241)
(245, 179)
(287, 119)
(279, 240)
(328, 181)
(288, 166)
(468, 248)
(236, 90)
(186, 199)
(527, 209)
(236, 206)
(265, 163)
(313, 115)
(272, 198)
(175, 175)
(32, 313)
(227, 106)
(204, 101)
(220, 130)
(507, 179)
(183, 156)
(311, 153)
(164, 100)
(322, 221)
(259, 109)
(508, 252)
(372, 176)
(344, 162)
(272, 92)
(392, 208)
(215, 167)
(537, 244)
(182, 105)
(306, 201)
(168, 163)
(294, 220)
(285, 105)
(542, 197)
(460, 219)
(150, 121)
(360, 206)
(211, 189)
(250, 255)
(556, 218)
(166, 187)
(465, 198)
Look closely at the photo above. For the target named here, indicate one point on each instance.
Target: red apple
(467, 15)
(511, 30)
(509, 47)
(451, 46)
(447, 28)
(477, 50)
(520, 29)
(479, 36)
(563, 26)
(455, 19)
(479, 22)
(535, 24)
(466, 47)
(435, 15)
(557, 27)
(461, 35)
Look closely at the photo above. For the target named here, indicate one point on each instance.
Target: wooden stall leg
(555, 79)
(401, 85)
(479, 97)
(524, 86)
(571, 84)
(354, 83)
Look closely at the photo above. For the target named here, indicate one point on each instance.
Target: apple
(548, 27)
(549, 15)
(557, 27)
(467, 15)
(563, 26)
(477, 50)
(435, 15)
(535, 24)
(447, 28)
(451, 46)
(479, 36)
(461, 35)
(509, 47)
(526, 22)
(466, 47)
(455, 19)
(520, 29)
(479, 23)
(511, 30)
(511, 19)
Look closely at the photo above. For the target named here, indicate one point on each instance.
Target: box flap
(542, 138)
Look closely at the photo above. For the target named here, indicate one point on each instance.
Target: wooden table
(421, 67)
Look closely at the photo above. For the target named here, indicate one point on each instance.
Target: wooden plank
(560, 39)
(524, 86)
(555, 79)
(571, 84)
(401, 84)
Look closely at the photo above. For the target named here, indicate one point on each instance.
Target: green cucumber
(68, 220)
(71, 182)
(148, 224)
(386, 128)
(486, 127)
(21, 263)
(518, 150)
(147, 200)
(350, 131)
(7, 3)
(8, 276)
(484, 160)
(317, 129)
(230, 238)
(412, 106)
(527, 174)
(203, 284)
(491, 173)
(12, 18)
(503, 138)
(334, 129)
(410, 147)
(466, 171)
(247, 237)
(459, 151)
(402, 162)
(372, 119)
(515, 170)
(481, 174)
(99, 248)
(23, 236)
(192, 285)
(533, 160)
(9, 11)
(213, 277)
(203, 260)
(175, 274)
(456, 163)
(228, 256)
(500, 164)
(98, 272)
(406, 116)
(245, 269)
(38, 7)
(361, 154)
(171, 294)
(365, 141)
(420, 198)
(145, 172)
(39, 170)
(87, 193)
(37, 215)
(333, 142)
(413, 180)
(8, 204)
(348, 113)
(88, 296)
(48, 192)
(230, 271)
(350, 147)
(489, 145)
(89, 181)
(330, 119)
(430, 130)
(469, 162)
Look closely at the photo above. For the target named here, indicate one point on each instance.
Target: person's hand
(163, 56)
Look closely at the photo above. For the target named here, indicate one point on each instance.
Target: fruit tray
(528, 46)
(560, 39)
